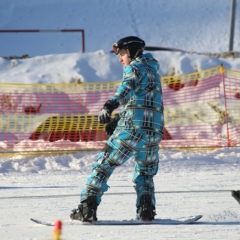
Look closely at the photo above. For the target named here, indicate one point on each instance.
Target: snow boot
(145, 210)
(86, 210)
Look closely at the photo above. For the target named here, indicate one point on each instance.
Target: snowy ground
(197, 26)
(188, 183)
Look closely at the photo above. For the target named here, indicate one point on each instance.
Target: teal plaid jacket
(140, 95)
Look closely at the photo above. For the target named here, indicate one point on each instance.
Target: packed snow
(189, 181)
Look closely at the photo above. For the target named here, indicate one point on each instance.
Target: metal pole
(232, 22)
(48, 30)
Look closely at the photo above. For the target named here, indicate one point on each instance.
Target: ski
(183, 220)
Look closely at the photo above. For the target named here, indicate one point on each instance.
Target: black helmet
(134, 45)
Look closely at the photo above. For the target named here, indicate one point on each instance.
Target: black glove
(110, 127)
(104, 115)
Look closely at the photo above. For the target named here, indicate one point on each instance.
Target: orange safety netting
(202, 109)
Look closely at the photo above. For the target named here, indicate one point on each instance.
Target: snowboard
(183, 220)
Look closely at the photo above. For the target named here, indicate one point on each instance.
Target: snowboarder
(135, 132)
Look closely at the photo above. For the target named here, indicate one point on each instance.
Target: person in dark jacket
(135, 132)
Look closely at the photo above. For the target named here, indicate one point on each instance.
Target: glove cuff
(117, 117)
(110, 105)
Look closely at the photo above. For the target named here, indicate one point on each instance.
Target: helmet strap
(129, 56)
(136, 53)
(128, 53)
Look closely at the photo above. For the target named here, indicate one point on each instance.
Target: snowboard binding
(146, 211)
(86, 210)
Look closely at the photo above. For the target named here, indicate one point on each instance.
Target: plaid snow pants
(123, 144)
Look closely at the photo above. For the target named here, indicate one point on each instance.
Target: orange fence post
(225, 105)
